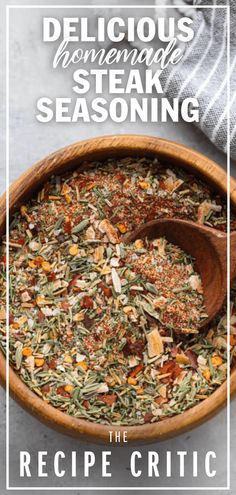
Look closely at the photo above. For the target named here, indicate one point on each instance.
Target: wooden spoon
(209, 248)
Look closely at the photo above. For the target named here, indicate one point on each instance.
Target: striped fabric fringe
(202, 72)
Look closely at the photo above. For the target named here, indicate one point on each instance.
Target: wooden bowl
(67, 159)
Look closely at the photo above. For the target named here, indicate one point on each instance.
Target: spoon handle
(232, 256)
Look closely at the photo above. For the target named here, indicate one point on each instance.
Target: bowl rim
(57, 162)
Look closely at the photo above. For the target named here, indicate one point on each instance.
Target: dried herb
(96, 326)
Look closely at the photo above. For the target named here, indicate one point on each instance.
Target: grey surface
(29, 142)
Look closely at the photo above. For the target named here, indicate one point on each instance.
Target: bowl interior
(69, 159)
(81, 155)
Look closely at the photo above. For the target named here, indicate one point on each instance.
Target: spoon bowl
(206, 245)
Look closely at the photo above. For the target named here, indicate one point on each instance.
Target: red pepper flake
(86, 404)
(73, 281)
(108, 399)
(41, 316)
(162, 184)
(134, 348)
(45, 389)
(20, 241)
(61, 391)
(52, 364)
(170, 367)
(78, 219)
(148, 417)
(136, 370)
(51, 277)
(83, 183)
(106, 290)
(174, 351)
(88, 322)
(160, 401)
(65, 305)
(120, 177)
(3, 259)
(86, 302)
(67, 227)
(11, 319)
(115, 219)
(134, 292)
(192, 358)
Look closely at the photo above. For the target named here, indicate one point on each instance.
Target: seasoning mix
(106, 330)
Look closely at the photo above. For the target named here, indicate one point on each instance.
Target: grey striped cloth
(202, 72)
